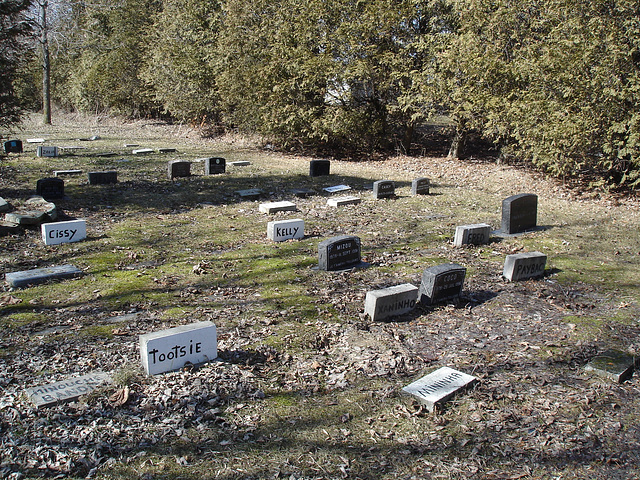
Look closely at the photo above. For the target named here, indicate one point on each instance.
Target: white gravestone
(273, 207)
(47, 151)
(173, 348)
(437, 387)
(476, 234)
(142, 151)
(340, 201)
(64, 232)
(390, 301)
(66, 390)
(282, 230)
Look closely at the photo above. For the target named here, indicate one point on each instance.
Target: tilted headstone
(436, 388)
(390, 301)
(341, 201)
(384, 189)
(442, 282)
(250, 194)
(339, 253)
(102, 178)
(13, 146)
(318, 168)
(50, 188)
(337, 188)
(519, 213)
(172, 349)
(273, 207)
(47, 151)
(420, 186)
(521, 266)
(476, 234)
(66, 390)
(214, 165)
(179, 168)
(612, 364)
(64, 232)
(282, 230)
(39, 275)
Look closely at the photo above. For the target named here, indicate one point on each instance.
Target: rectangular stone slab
(273, 207)
(251, 193)
(612, 364)
(66, 390)
(476, 234)
(521, 266)
(341, 201)
(141, 151)
(390, 301)
(39, 275)
(240, 163)
(337, 188)
(282, 230)
(63, 232)
(439, 386)
(59, 173)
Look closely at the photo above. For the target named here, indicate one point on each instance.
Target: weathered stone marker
(64, 232)
(214, 165)
(142, 151)
(66, 390)
(173, 348)
(35, 140)
(4, 205)
(39, 275)
(13, 146)
(612, 364)
(442, 282)
(318, 168)
(476, 234)
(339, 253)
(390, 301)
(384, 189)
(282, 230)
(166, 150)
(521, 266)
(519, 213)
(436, 388)
(341, 201)
(250, 194)
(50, 188)
(102, 178)
(420, 186)
(179, 168)
(337, 188)
(47, 151)
(60, 173)
(302, 192)
(273, 207)
(240, 163)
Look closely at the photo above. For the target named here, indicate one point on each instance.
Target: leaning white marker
(172, 349)
(64, 232)
(438, 386)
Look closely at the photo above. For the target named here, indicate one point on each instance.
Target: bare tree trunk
(457, 144)
(46, 65)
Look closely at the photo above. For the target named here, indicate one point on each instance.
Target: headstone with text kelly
(50, 188)
(384, 189)
(522, 266)
(420, 186)
(64, 232)
(13, 146)
(339, 253)
(102, 178)
(214, 165)
(519, 213)
(476, 234)
(391, 301)
(439, 386)
(318, 168)
(43, 151)
(441, 283)
(179, 168)
(66, 390)
(282, 230)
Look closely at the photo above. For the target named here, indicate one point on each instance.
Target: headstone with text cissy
(282, 230)
(436, 388)
(64, 232)
(384, 189)
(339, 253)
(214, 165)
(172, 349)
(318, 168)
(390, 301)
(476, 234)
(521, 266)
(66, 390)
(442, 282)
(519, 213)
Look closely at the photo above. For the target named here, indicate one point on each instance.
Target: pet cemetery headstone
(476, 234)
(103, 178)
(337, 188)
(441, 283)
(519, 213)
(339, 253)
(302, 192)
(13, 146)
(214, 165)
(50, 152)
(66, 390)
(282, 230)
(179, 168)
(50, 188)
(61, 173)
(172, 349)
(273, 207)
(319, 168)
(4, 205)
(33, 212)
(384, 189)
(131, 145)
(35, 140)
(612, 364)
(420, 186)
(240, 163)
(341, 201)
(522, 266)
(439, 386)
(25, 278)
(250, 193)
(166, 150)
(390, 301)
(63, 232)
(142, 151)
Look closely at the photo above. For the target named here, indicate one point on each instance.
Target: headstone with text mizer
(102, 178)
(47, 151)
(436, 388)
(384, 189)
(282, 230)
(50, 188)
(66, 390)
(476, 234)
(64, 232)
(214, 165)
(13, 146)
(339, 253)
(420, 186)
(179, 168)
(318, 168)
(519, 213)
(441, 283)
(391, 301)
(522, 266)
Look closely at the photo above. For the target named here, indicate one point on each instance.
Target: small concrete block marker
(47, 152)
(282, 230)
(250, 194)
(341, 201)
(521, 266)
(436, 388)
(66, 390)
(612, 364)
(60, 173)
(25, 278)
(273, 207)
(420, 186)
(64, 232)
(35, 140)
(442, 282)
(172, 349)
(337, 188)
(142, 151)
(476, 234)
(390, 301)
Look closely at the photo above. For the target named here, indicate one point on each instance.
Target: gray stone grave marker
(142, 151)
(612, 364)
(50, 188)
(172, 349)
(250, 194)
(318, 168)
(282, 230)
(47, 151)
(13, 146)
(475, 234)
(390, 301)
(339, 253)
(420, 186)
(179, 168)
(240, 163)
(337, 188)
(66, 390)
(384, 189)
(214, 165)
(64, 232)
(436, 388)
(35, 140)
(519, 213)
(302, 192)
(102, 178)
(521, 266)
(60, 173)
(166, 150)
(341, 201)
(441, 283)
(39, 275)
(4, 205)
(273, 207)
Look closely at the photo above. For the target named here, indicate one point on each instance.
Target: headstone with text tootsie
(339, 253)
(441, 283)
(436, 388)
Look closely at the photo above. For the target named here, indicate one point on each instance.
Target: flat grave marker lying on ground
(339, 253)
(302, 192)
(475, 234)
(13, 146)
(337, 188)
(60, 173)
(273, 207)
(102, 178)
(25, 278)
(420, 186)
(179, 168)
(436, 388)
(391, 301)
(282, 230)
(612, 364)
(172, 349)
(142, 151)
(131, 145)
(214, 165)
(250, 194)
(341, 201)
(519, 213)
(64, 232)
(47, 151)
(166, 150)
(521, 266)
(384, 189)
(36, 140)
(441, 283)
(66, 390)
(50, 188)
(319, 168)
(240, 163)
